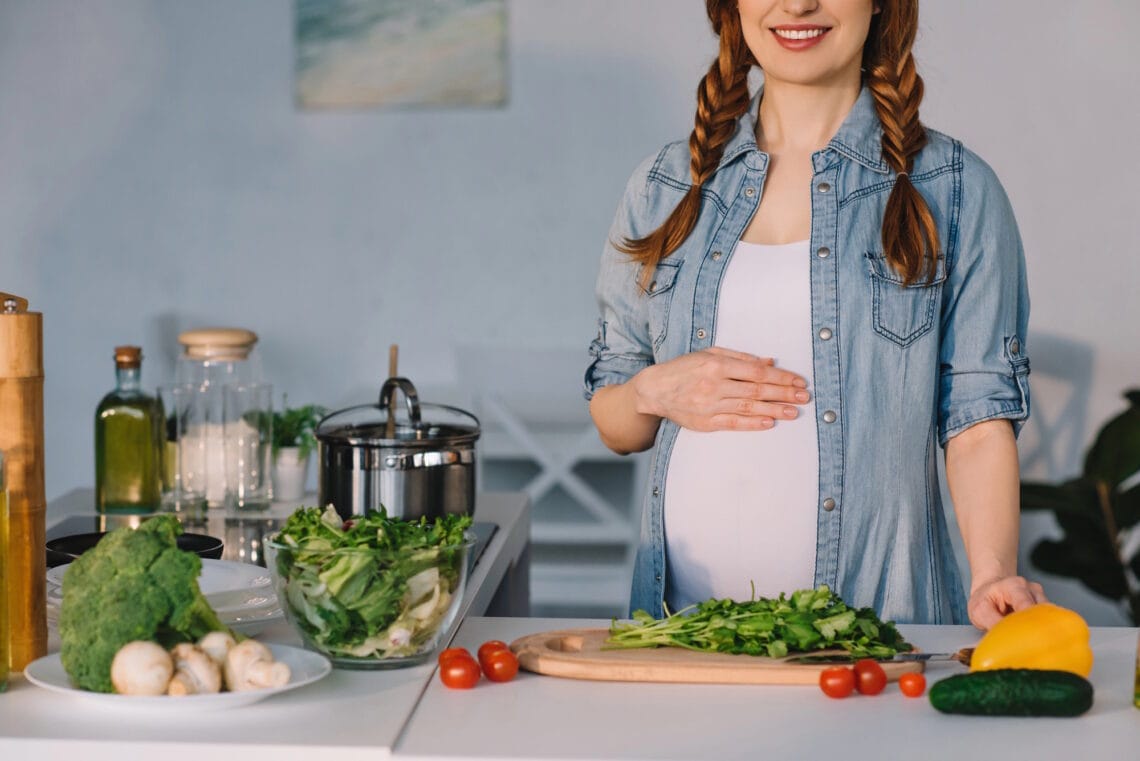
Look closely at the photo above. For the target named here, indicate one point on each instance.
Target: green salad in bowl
(373, 591)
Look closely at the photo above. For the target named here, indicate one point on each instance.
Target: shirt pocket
(659, 292)
(903, 313)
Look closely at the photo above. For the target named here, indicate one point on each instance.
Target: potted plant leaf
(1097, 511)
(293, 442)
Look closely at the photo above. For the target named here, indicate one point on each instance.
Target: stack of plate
(242, 594)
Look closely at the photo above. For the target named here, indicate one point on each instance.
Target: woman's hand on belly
(720, 390)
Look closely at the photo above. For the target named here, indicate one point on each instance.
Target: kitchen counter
(407, 713)
(542, 717)
(347, 715)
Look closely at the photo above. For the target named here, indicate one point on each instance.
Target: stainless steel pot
(414, 461)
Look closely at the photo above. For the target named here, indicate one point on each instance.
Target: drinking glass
(184, 462)
(248, 434)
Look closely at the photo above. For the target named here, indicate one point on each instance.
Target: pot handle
(411, 398)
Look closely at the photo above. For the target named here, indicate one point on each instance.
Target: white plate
(240, 593)
(306, 667)
(217, 576)
(227, 584)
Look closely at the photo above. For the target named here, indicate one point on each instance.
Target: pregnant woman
(799, 306)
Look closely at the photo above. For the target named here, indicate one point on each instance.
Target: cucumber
(1013, 692)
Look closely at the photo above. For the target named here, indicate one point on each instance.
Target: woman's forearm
(620, 425)
(982, 474)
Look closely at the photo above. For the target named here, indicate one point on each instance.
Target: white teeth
(799, 34)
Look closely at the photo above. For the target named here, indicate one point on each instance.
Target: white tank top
(740, 506)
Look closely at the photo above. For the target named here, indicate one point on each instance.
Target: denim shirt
(895, 368)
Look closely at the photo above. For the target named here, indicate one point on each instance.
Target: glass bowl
(370, 608)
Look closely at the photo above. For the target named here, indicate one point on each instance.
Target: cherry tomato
(499, 665)
(870, 679)
(491, 645)
(912, 685)
(454, 652)
(837, 682)
(459, 672)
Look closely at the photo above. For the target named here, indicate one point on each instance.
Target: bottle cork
(22, 440)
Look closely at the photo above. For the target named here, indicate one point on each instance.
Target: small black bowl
(71, 547)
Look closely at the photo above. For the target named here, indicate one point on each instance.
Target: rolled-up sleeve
(622, 346)
(984, 365)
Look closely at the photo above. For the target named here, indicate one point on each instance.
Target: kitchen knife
(962, 656)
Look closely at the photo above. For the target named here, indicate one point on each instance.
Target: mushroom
(195, 672)
(250, 666)
(216, 645)
(141, 668)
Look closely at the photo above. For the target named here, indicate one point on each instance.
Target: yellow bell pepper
(1044, 636)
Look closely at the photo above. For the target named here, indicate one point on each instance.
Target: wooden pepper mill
(22, 441)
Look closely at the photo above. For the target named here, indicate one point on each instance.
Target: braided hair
(722, 98)
(909, 234)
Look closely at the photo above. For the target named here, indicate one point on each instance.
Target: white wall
(154, 175)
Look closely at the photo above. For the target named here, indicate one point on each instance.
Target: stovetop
(243, 537)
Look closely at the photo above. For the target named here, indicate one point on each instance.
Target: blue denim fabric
(902, 369)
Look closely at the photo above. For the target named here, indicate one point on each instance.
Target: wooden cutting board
(578, 654)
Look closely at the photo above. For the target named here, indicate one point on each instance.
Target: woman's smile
(799, 36)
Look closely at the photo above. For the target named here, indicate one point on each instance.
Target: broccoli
(134, 585)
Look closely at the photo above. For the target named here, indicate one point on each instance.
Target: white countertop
(542, 717)
(409, 714)
(347, 715)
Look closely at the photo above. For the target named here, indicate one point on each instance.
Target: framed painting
(401, 53)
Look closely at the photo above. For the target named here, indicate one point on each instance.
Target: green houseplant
(1096, 511)
(294, 440)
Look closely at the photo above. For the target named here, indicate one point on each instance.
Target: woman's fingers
(726, 422)
(766, 392)
(756, 408)
(759, 370)
(993, 600)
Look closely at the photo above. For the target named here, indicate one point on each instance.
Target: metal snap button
(1015, 346)
(701, 333)
(829, 416)
(829, 504)
(656, 492)
(823, 187)
(825, 333)
(716, 255)
(750, 192)
(823, 253)
(653, 286)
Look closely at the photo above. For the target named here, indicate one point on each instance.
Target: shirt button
(825, 333)
(829, 504)
(657, 577)
(750, 192)
(823, 253)
(701, 333)
(823, 187)
(656, 491)
(716, 255)
(829, 416)
(653, 286)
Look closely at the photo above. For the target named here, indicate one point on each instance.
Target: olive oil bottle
(1136, 686)
(129, 442)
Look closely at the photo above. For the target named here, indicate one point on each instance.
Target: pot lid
(399, 422)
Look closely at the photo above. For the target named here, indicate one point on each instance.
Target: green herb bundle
(808, 621)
